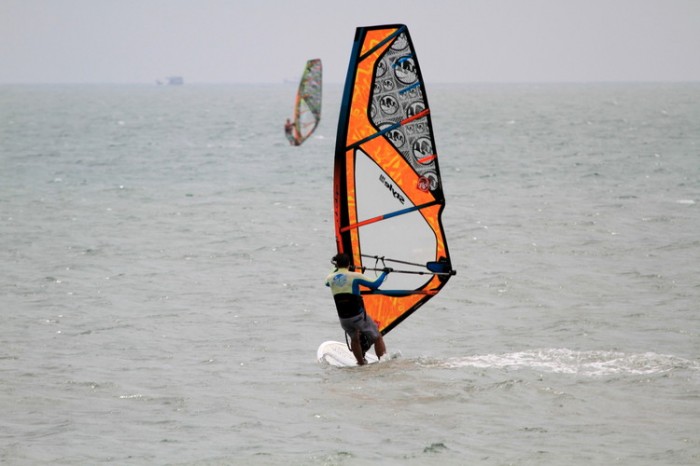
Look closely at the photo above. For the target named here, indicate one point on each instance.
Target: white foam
(565, 361)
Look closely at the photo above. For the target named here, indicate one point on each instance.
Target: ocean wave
(590, 363)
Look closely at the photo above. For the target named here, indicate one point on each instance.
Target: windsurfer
(288, 128)
(345, 287)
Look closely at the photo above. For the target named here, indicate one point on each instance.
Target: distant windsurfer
(288, 131)
(345, 287)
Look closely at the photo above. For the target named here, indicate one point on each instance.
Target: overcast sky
(268, 41)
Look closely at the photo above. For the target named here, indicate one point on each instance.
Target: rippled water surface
(163, 251)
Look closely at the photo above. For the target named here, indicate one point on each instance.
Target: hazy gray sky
(244, 41)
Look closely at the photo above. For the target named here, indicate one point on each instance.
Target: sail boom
(401, 293)
(414, 272)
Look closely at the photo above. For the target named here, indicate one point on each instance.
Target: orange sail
(388, 194)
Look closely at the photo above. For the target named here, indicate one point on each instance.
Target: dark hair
(341, 260)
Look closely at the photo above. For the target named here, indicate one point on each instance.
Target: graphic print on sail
(387, 191)
(307, 107)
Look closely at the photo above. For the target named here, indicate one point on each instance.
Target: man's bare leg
(357, 348)
(379, 347)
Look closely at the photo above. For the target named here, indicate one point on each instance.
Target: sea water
(163, 251)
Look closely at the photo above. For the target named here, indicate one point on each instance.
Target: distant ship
(172, 81)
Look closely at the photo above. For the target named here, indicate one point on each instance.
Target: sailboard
(336, 353)
(307, 106)
(387, 190)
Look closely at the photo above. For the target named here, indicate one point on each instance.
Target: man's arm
(364, 281)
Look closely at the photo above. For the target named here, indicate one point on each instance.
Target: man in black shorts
(345, 287)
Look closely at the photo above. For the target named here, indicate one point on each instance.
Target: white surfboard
(337, 354)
